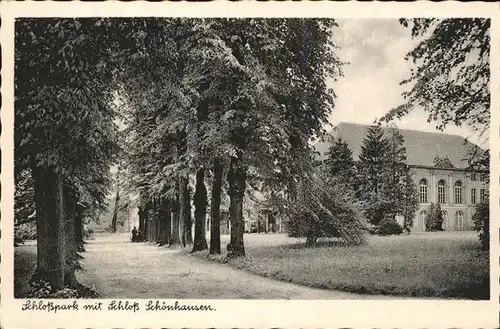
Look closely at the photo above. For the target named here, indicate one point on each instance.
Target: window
(473, 177)
(473, 196)
(445, 219)
(459, 220)
(481, 177)
(422, 188)
(458, 192)
(441, 192)
(482, 195)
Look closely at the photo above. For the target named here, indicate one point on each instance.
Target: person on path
(134, 234)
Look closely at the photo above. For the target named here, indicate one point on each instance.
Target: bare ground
(117, 268)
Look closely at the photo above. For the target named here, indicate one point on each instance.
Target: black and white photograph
(251, 158)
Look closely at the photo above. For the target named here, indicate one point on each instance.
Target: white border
(242, 313)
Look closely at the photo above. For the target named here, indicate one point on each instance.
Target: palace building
(452, 185)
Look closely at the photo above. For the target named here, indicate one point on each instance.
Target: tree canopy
(451, 77)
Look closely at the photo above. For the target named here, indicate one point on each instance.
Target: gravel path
(118, 268)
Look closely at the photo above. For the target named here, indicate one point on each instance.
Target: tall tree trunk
(164, 221)
(117, 200)
(175, 236)
(70, 203)
(141, 219)
(215, 208)
(147, 222)
(188, 217)
(154, 221)
(182, 211)
(157, 220)
(185, 212)
(200, 203)
(236, 179)
(50, 228)
(79, 228)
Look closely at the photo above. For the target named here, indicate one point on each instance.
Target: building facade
(453, 186)
(456, 190)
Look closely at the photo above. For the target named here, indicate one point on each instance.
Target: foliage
(409, 203)
(371, 172)
(63, 92)
(42, 289)
(481, 220)
(389, 226)
(384, 181)
(24, 194)
(434, 218)
(25, 231)
(340, 163)
(326, 208)
(249, 93)
(452, 74)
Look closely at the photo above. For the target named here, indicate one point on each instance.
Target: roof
(421, 147)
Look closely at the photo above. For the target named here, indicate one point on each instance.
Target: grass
(24, 266)
(441, 264)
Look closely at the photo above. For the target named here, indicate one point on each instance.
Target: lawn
(441, 264)
(24, 265)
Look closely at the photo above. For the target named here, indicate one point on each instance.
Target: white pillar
(432, 195)
(451, 189)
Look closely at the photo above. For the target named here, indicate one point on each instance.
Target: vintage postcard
(249, 164)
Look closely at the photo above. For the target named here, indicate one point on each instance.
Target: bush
(434, 218)
(88, 232)
(25, 231)
(389, 226)
(481, 220)
(326, 208)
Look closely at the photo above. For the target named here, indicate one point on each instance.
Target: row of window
(457, 193)
(459, 219)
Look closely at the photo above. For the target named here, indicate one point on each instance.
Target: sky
(375, 49)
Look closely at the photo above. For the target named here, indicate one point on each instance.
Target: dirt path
(118, 268)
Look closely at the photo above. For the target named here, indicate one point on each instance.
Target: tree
(481, 219)
(117, 200)
(410, 203)
(65, 95)
(452, 74)
(434, 218)
(326, 207)
(290, 60)
(214, 93)
(384, 179)
(215, 201)
(372, 168)
(400, 185)
(340, 163)
(200, 202)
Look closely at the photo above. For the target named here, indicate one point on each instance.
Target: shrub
(389, 226)
(88, 232)
(481, 220)
(326, 208)
(434, 218)
(25, 231)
